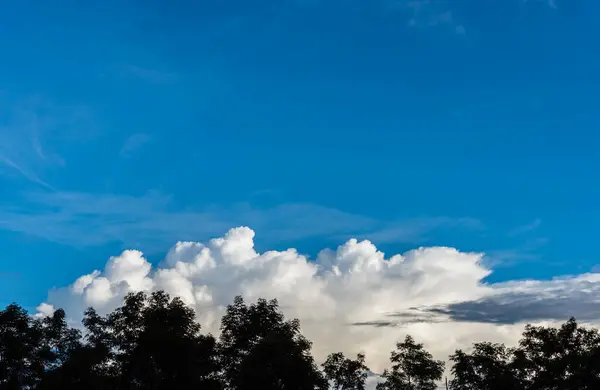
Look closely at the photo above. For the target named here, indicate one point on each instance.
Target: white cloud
(351, 299)
(44, 310)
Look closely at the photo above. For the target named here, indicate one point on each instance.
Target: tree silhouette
(22, 358)
(59, 339)
(413, 368)
(259, 349)
(560, 358)
(547, 358)
(344, 373)
(488, 367)
(151, 342)
(62, 347)
(154, 342)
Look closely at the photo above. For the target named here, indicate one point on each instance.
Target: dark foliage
(22, 352)
(154, 342)
(260, 350)
(565, 358)
(488, 367)
(413, 368)
(344, 373)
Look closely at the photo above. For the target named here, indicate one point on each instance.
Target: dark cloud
(529, 302)
(377, 324)
(515, 307)
(411, 316)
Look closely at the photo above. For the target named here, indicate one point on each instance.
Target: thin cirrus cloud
(420, 229)
(549, 3)
(23, 171)
(529, 227)
(440, 15)
(526, 252)
(20, 145)
(154, 76)
(27, 129)
(350, 299)
(134, 143)
(153, 221)
(428, 14)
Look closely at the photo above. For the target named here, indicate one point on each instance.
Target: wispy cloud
(133, 143)
(29, 131)
(529, 251)
(549, 3)
(427, 14)
(155, 76)
(26, 173)
(415, 230)
(440, 14)
(529, 227)
(154, 220)
(11, 275)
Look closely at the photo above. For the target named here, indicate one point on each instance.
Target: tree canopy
(154, 342)
(546, 358)
(344, 373)
(413, 368)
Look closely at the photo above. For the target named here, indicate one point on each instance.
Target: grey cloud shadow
(376, 324)
(518, 307)
(555, 300)
(403, 318)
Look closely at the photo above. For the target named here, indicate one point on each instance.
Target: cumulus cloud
(350, 299)
(44, 310)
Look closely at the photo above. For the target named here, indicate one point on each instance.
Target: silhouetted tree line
(154, 342)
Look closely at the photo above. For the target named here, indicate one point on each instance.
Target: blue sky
(135, 124)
